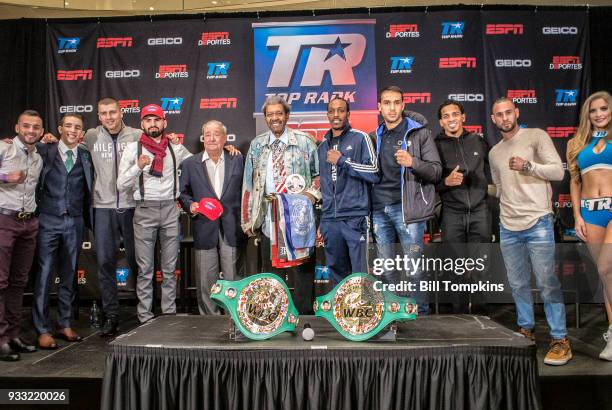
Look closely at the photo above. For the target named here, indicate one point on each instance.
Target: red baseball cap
(152, 109)
(210, 208)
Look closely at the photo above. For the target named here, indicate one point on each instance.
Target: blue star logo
(337, 49)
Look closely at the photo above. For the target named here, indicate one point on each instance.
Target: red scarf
(159, 150)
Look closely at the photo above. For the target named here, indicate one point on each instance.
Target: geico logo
(64, 109)
(466, 97)
(122, 74)
(512, 63)
(165, 41)
(560, 30)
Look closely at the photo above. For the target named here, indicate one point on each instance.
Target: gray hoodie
(106, 156)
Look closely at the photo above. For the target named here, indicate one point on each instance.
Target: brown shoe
(560, 352)
(46, 342)
(528, 333)
(68, 335)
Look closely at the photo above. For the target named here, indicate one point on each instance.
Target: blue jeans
(534, 250)
(388, 227)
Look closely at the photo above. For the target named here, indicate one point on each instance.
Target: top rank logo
(566, 98)
(215, 38)
(566, 63)
(403, 30)
(501, 29)
(113, 42)
(67, 44)
(171, 105)
(401, 65)
(452, 29)
(217, 71)
(172, 71)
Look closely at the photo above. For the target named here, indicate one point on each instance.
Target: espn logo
(522, 96)
(564, 201)
(416, 98)
(172, 71)
(561, 132)
(74, 75)
(112, 42)
(129, 106)
(501, 29)
(215, 38)
(216, 103)
(403, 30)
(457, 62)
(566, 63)
(474, 129)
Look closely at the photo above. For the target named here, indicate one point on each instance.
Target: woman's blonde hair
(585, 131)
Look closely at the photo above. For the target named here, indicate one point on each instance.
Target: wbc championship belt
(260, 305)
(358, 311)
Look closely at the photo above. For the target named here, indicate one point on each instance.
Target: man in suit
(63, 196)
(213, 174)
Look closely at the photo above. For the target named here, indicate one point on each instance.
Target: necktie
(69, 163)
(278, 166)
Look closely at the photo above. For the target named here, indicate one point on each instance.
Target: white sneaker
(606, 353)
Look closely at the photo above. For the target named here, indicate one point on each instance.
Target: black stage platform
(439, 362)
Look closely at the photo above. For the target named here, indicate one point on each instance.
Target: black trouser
(301, 277)
(468, 234)
(113, 226)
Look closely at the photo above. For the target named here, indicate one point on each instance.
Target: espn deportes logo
(566, 98)
(66, 109)
(217, 71)
(504, 29)
(122, 74)
(172, 71)
(466, 97)
(417, 98)
(452, 29)
(74, 75)
(401, 65)
(403, 31)
(561, 132)
(559, 31)
(171, 105)
(522, 96)
(113, 42)
(67, 44)
(164, 41)
(474, 129)
(512, 63)
(457, 62)
(218, 103)
(565, 63)
(215, 38)
(564, 201)
(129, 106)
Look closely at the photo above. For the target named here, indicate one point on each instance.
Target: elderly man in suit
(63, 195)
(213, 174)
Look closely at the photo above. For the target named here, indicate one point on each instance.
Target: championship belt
(358, 311)
(260, 305)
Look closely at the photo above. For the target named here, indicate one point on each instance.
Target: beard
(507, 129)
(154, 132)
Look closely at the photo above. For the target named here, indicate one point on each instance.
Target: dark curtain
(601, 53)
(453, 378)
(23, 70)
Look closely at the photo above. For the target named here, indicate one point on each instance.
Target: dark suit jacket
(196, 185)
(48, 152)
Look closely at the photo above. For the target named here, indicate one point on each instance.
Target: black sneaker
(110, 328)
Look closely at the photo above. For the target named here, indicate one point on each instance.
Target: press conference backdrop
(223, 69)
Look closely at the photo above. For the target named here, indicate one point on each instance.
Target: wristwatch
(260, 305)
(359, 311)
(527, 167)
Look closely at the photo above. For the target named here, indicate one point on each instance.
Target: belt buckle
(24, 216)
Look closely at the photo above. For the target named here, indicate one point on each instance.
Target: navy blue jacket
(49, 154)
(196, 185)
(356, 169)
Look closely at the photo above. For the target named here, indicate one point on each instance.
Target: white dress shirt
(216, 172)
(15, 157)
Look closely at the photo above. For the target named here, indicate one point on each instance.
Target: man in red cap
(149, 168)
(211, 184)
